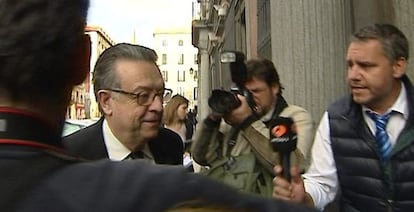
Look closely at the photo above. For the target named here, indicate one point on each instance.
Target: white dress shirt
(116, 150)
(321, 180)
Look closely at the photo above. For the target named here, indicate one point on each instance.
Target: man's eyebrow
(366, 63)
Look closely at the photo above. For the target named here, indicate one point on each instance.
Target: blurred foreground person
(39, 66)
(364, 144)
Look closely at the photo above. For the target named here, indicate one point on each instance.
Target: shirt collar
(116, 150)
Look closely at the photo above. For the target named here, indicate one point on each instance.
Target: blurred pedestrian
(175, 115)
(190, 123)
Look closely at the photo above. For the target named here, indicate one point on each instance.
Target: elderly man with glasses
(130, 91)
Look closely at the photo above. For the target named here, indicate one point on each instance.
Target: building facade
(83, 103)
(178, 61)
(306, 40)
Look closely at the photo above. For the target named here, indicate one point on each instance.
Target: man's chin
(150, 133)
(361, 100)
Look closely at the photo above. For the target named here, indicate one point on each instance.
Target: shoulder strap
(232, 139)
(234, 132)
(266, 157)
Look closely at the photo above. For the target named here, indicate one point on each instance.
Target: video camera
(223, 101)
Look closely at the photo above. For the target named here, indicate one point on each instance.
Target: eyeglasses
(145, 97)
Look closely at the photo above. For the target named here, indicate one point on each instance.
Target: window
(164, 59)
(165, 75)
(195, 93)
(181, 76)
(180, 42)
(195, 58)
(164, 43)
(195, 76)
(181, 91)
(181, 59)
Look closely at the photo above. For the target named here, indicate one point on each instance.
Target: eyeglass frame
(136, 96)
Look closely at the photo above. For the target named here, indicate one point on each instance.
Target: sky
(121, 18)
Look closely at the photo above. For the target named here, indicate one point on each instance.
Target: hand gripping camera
(223, 101)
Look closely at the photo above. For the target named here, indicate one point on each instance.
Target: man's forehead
(365, 49)
(142, 83)
(256, 83)
(365, 45)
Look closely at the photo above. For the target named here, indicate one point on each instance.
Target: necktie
(381, 135)
(135, 155)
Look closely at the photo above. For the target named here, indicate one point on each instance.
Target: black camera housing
(223, 101)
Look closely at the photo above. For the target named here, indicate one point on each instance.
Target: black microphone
(283, 137)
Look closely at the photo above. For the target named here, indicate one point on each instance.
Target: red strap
(31, 144)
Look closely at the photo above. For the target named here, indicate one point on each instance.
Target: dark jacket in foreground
(37, 175)
(167, 147)
(367, 184)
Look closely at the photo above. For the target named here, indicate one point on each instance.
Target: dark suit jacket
(167, 147)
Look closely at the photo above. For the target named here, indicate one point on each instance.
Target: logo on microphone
(279, 130)
(282, 130)
(283, 138)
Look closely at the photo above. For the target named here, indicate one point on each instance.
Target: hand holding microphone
(283, 137)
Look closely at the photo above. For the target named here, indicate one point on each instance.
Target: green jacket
(209, 144)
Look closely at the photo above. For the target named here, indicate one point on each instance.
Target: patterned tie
(381, 135)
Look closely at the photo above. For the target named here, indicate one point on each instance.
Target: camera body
(223, 101)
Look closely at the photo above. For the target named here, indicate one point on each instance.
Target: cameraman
(264, 84)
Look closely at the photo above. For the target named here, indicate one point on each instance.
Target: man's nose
(157, 104)
(354, 73)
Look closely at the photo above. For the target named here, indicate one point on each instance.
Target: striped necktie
(381, 135)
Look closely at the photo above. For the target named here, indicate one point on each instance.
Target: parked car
(73, 125)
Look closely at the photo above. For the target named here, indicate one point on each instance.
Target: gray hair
(104, 75)
(393, 41)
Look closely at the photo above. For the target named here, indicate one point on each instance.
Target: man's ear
(275, 89)
(81, 60)
(399, 67)
(104, 99)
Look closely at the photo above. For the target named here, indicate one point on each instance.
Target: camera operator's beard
(261, 112)
(266, 112)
